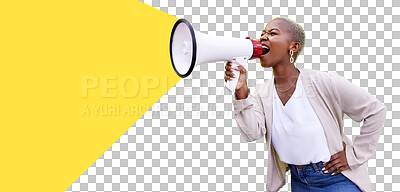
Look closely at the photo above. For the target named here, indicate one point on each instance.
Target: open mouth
(265, 50)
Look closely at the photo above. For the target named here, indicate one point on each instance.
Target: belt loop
(315, 166)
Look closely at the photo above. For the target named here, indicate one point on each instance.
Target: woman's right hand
(241, 89)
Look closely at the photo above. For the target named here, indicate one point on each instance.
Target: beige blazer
(331, 96)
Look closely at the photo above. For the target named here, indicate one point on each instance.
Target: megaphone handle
(231, 84)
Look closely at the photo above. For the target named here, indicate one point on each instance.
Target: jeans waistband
(315, 166)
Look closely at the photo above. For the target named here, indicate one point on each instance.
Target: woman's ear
(295, 46)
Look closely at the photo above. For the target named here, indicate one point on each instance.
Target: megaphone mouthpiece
(257, 48)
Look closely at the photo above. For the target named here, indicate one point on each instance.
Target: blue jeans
(311, 178)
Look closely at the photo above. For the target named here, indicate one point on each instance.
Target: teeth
(265, 49)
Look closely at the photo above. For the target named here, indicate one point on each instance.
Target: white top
(297, 134)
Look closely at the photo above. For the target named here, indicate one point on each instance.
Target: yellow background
(61, 59)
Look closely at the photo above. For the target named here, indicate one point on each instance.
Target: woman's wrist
(242, 93)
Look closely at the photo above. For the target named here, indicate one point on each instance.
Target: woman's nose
(264, 37)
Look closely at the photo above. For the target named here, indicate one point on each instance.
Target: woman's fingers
(228, 64)
(338, 162)
(229, 72)
(332, 165)
(227, 78)
(337, 168)
(342, 168)
(229, 75)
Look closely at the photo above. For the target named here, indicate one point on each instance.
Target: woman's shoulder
(309, 77)
(314, 71)
(319, 75)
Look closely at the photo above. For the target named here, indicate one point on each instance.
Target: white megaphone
(189, 48)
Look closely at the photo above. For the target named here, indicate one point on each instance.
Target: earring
(291, 56)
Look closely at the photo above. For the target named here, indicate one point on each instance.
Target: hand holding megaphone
(235, 62)
(189, 48)
(238, 73)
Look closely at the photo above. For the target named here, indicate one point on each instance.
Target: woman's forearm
(360, 105)
(250, 118)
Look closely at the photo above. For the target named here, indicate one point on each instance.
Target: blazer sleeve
(250, 118)
(360, 105)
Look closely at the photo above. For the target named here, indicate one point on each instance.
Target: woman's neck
(285, 74)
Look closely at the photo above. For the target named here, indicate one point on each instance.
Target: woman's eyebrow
(270, 30)
(273, 29)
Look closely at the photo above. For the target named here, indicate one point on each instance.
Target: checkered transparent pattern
(189, 141)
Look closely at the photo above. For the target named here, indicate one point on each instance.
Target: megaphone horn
(189, 48)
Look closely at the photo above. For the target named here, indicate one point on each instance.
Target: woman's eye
(269, 34)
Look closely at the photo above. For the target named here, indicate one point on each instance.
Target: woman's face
(277, 38)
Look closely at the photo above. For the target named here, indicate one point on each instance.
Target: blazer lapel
(268, 108)
(310, 88)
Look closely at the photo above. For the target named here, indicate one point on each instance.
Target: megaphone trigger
(240, 60)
